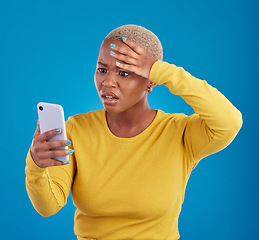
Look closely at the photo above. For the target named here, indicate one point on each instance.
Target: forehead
(106, 43)
(105, 49)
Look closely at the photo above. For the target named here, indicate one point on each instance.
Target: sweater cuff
(32, 166)
(158, 71)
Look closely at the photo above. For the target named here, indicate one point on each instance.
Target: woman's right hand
(41, 149)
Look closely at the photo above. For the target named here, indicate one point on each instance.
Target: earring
(149, 89)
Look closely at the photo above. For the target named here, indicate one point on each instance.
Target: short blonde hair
(142, 36)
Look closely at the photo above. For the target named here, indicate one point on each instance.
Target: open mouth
(109, 97)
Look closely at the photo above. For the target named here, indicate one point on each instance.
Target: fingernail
(112, 52)
(68, 142)
(71, 151)
(67, 162)
(58, 130)
(112, 45)
(117, 63)
(124, 38)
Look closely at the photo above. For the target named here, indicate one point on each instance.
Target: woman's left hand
(132, 57)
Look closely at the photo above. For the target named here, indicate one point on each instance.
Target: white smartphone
(51, 116)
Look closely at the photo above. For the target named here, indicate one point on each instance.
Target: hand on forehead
(125, 46)
(130, 56)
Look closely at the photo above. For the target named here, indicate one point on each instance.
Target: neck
(131, 122)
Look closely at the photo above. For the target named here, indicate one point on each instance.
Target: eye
(102, 70)
(123, 74)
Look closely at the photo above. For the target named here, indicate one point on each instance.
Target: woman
(131, 163)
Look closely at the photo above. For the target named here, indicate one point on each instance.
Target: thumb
(37, 132)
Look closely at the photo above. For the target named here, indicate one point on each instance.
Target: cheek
(136, 86)
(97, 81)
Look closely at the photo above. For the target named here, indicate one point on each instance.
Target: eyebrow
(102, 64)
(105, 65)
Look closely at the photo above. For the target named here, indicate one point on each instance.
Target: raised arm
(216, 121)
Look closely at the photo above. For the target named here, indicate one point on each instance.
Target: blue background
(48, 52)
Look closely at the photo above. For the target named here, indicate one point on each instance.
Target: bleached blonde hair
(142, 36)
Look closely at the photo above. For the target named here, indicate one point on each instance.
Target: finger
(52, 154)
(127, 67)
(57, 163)
(124, 49)
(124, 58)
(55, 144)
(134, 69)
(47, 135)
(51, 162)
(37, 132)
(139, 50)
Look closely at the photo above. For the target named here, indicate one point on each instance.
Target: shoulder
(178, 120)
(86, 119)
(87, 116)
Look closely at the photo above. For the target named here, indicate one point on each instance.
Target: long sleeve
(48, 188)
(215, 122)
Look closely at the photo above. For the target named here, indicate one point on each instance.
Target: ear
(152, 84)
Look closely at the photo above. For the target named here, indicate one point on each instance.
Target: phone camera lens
(41, 108)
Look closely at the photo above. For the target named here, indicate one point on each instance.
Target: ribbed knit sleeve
(48, 188)
(216, 121)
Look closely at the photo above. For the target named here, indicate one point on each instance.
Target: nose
(109, 80)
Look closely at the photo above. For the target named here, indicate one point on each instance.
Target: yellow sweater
(133, 188)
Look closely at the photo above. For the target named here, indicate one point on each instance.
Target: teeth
(109, 97)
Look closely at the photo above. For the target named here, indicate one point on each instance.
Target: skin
(129, 80)
(124, 73)
(40, 148)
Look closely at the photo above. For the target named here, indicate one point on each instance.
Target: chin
(111, 109)
(114, 110)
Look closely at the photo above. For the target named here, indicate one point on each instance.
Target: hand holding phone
(49, 145)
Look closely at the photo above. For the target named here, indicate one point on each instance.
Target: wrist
(152, 62)
(31, 163)
(160, 71)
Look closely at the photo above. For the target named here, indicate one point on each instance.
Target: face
(118, 90)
